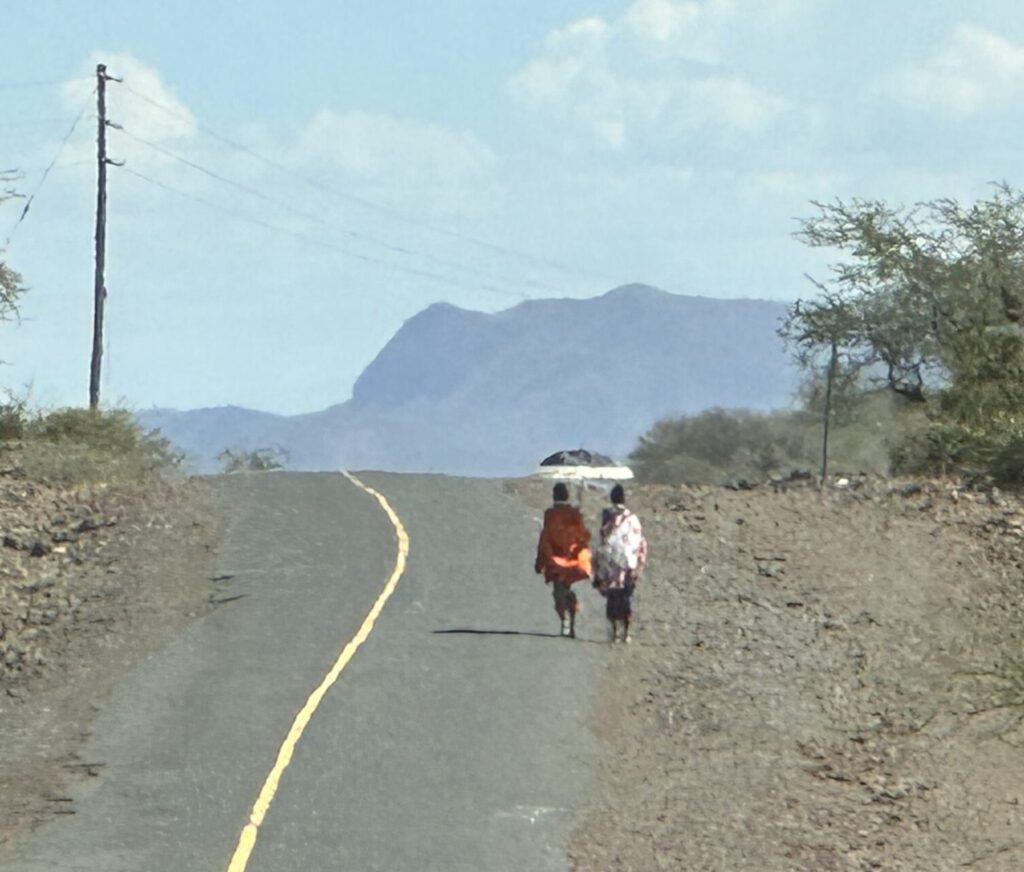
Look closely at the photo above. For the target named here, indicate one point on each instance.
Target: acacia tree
(11, 286)
(928, 304)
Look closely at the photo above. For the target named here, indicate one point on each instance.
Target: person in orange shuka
(563, 556)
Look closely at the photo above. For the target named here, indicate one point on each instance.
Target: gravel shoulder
(819, 681)
(92, 579)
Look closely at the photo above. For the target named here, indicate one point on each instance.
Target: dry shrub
(723, 445)
(75, 445)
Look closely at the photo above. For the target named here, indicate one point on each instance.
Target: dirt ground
(818, 681)
(91, 578)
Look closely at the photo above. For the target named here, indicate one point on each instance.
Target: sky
(299, 179)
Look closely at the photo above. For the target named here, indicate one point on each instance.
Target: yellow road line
(247, 838)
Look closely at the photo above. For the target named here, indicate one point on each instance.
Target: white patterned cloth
(622, 553)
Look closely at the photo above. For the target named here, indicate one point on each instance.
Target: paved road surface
(435, 750)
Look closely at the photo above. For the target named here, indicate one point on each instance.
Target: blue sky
(476, 152)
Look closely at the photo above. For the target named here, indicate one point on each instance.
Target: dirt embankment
(91, 578)
(818, 682)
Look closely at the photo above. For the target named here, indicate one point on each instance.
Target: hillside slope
(475, 393)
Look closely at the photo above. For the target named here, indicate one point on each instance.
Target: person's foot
(572, 632)
(564, 631)
(626, 638)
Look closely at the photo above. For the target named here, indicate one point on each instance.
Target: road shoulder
(119, 571)
(818, 681)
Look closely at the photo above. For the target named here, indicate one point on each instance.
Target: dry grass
(75, 446)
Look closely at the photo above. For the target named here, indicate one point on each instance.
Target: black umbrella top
(577, 457)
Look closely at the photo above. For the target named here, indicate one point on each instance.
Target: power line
(46, 172)
(32, 170)
(254, 192)
(6, 86)
(362, 201)
(317, 219)
(278, 229)
(68, 165)
(33, 122)
(233, 213)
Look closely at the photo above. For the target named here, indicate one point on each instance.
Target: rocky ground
(818, 681)
(91, 578)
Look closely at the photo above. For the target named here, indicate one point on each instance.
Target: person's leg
(610, 611)
(557, 597)
(572, 609)
(627, 613)
(562, 604)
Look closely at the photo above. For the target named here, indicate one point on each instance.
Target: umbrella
(581, 465)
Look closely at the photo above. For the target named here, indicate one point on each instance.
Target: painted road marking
(247, 838)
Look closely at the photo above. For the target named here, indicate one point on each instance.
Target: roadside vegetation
(69, 445)
(74, 446)
(11, 284)
(259, 460)
(724, 446)
(912, 348)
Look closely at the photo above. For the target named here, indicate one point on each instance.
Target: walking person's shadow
(472, 631)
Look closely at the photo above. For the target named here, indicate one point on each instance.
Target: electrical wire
(309, 240)
(32, 122)
(60, 150)
(6, 86)
(317, 219)
(362, 201)
(64, 165)
(166, 152)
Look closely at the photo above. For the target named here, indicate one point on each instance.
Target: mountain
(473, 393)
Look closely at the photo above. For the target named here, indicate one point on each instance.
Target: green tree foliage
(928, 305)
(720, 445)
(11, 284)
(260, 460)
(723, 445)
(11, 288)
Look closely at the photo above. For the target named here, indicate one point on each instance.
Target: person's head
(560, 493)
(618, 495)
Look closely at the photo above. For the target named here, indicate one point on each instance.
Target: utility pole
(100, 288)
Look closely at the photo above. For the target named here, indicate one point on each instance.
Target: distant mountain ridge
(473, 393)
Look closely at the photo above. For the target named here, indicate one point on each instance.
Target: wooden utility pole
(832, 364)
(100, 289)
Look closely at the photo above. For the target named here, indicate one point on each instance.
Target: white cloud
(146, 119)
(736, 104)
(623, 81)
(975, 70)
(573, 55)
(149, 111)
(773, 186)
(396, 159)
(379, 148)
(662, 20)
(703, 30)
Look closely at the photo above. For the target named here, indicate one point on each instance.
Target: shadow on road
(474, 632)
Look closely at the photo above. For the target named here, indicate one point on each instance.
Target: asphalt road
(435, 749)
